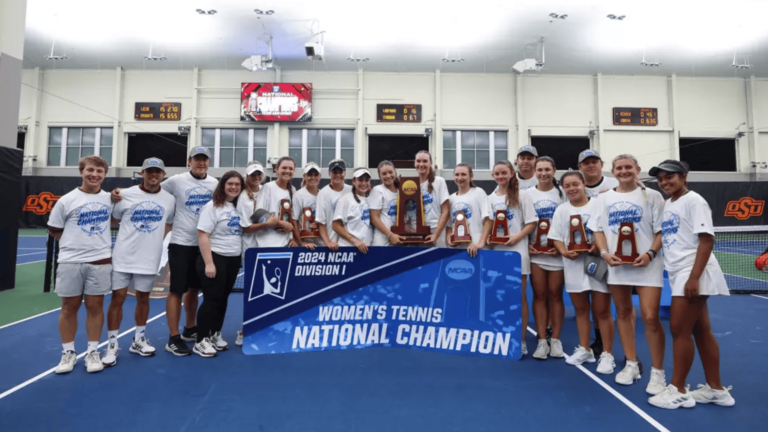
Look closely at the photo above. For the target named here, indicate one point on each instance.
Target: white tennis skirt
(711, 283)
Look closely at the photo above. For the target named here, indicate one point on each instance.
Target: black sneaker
(177, 347)
(597, 348)
(549, 334)
(189, 334)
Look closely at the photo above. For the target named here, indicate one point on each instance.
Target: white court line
(753, 295)
(31, 248)
(33, 253)
(618, 395)
(53, 369)
(31, 262)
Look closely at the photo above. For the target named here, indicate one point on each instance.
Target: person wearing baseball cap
(137, 254)
(327, 199)
(306, 198)
(526, 162)
(591, 165)
(352, 219)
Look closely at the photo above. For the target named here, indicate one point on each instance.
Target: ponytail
(554, 168)
(513, 186)
(290, 185)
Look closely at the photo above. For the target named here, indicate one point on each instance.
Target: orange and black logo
(41, 204)
(745, 208)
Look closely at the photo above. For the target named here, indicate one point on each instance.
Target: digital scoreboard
(162, 111)
(636, 116)
(391, 113)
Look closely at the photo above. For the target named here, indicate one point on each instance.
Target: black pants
(210, 315)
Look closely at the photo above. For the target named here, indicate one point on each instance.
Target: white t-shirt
(645, 213)
(304, 199)
(576, 280)
(327, 199)
(517, 218)
(191, 195)
(269, 200)
(245, 208)
(545, 204)
(681, 223)
(139, 244)
(85, 219)
(605, 184)
(385, 201)
(527, 184)
(356, 217)
(223, 225)
(474, 204)
(433, 200)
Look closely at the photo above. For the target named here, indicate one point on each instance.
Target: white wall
(548, 105)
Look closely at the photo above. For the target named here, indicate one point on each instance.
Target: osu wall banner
(434, 299)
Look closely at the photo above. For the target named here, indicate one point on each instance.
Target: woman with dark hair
(470, 205)
(434, 193)
(274, 231)
(218, 234)
(306, 198)
(352, 220)
(383, 204)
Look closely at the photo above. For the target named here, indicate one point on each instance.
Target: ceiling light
(744, 65)
(357, 59)
(650, 63)
(617, 17)
(206, 12)
(556, 16)
(57, 57)
(261, 12)
(453, 60)
(151, 57)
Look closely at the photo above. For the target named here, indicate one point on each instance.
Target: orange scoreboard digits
(635, 116)
(160, 111)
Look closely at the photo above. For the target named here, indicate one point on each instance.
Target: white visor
(311, 166)
(253, 168)
(361, 172)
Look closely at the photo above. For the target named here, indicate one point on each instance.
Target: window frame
(337, 145)
(458, 133)
(97, 145)
(251, 144)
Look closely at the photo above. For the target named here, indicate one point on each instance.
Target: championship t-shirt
(245, 208)
(85, 219)
(433, 200)
(576, 280)
(270, 199)
(191, 195)
(304, 199)
(605, 184)
(327, 200)
(385, 201)
(517, 218)
(474, 204)
(681, 223)
(223, 225)
(143, 216)
(356, 217)
(545, 204)
(526, 184)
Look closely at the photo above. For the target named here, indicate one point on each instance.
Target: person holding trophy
(305, 208)
(352, 220)
(434, 193)
(327, 199)
(383, 205)
(627, 231)
(469, 211)
(276, 230)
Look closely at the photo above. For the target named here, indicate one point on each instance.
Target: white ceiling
(689, 38)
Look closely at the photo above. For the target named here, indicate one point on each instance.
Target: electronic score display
(161, 111)
(636, 116)
(397, 113)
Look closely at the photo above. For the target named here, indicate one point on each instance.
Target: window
(171, 148)
(234, 148)
(67, 145)
(564, 150)
(479, 149)
(321, 145)
(707, 154)
(20, 139)
(399, 149)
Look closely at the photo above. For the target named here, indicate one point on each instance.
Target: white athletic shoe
(556, 348)
(142, 347)
(67, 363)
(658, 382)
(629, 374)
(110, 355)
(542, 350)
(204, 348)
(606, 364)
(580, 355)
(218, 342)
(524, 349)
(93, 362)
(671, 398)
(239, 340)
(706, 395)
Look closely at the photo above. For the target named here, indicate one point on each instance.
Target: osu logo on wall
(745, 208)
(41, 204)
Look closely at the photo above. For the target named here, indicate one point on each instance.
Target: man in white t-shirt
(80, 221)
(526, 163)
(591, 166)
(146, 212)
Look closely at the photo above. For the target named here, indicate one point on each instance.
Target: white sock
(69, 346)
(112, 336)
(92, 346)
(657, 370)
(140, 332)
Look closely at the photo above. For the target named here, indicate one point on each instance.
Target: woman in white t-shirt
(306, 198)
(218, 234)
(694, 275)
(277, 195)
(578, 284)
(327, 200)
(469, 203)
(383, 204)
(434, 194)
(546, 266)
(352, 220)
(521, 220)
(631, 203)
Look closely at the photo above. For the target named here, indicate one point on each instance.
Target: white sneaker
(706, 395)
(556, 348)
(606, 364)
(671, 398)
(524, 349)
(93, 362)
(658, 382)
(67, 363)
(110, 354)
(580, 355)
(239, 340)
(204, 348)
(629, 374)
(218, 342)
(142, 347)
(542, 350)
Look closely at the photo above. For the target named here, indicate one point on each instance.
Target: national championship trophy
(541, 242)
(307, 220)
(577, 239)
(409, 223)
(626, 243)
(500, 231)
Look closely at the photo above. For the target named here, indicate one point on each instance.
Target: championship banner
(434, 299)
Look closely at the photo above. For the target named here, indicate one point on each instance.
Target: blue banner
(435, 299)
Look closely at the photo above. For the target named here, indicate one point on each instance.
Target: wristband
(652, 253)
(603, 252)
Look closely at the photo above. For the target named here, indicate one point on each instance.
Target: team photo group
(631, 235)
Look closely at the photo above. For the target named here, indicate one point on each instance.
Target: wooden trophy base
(579, 247)
(308, 235)
(546, 248)
(498, 240)
(413, 238)
(627, 233)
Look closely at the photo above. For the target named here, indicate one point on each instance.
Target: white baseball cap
(250, 169)
(311, 166)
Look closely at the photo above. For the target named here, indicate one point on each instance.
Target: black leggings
(210, 316)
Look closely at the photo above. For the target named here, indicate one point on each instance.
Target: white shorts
(547, 267)
(76, 279)
(711, 283)
(141, 282)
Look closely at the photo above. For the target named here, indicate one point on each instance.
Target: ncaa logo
(276, 89)
(271, 273)
(592, 268)
(460, 269)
